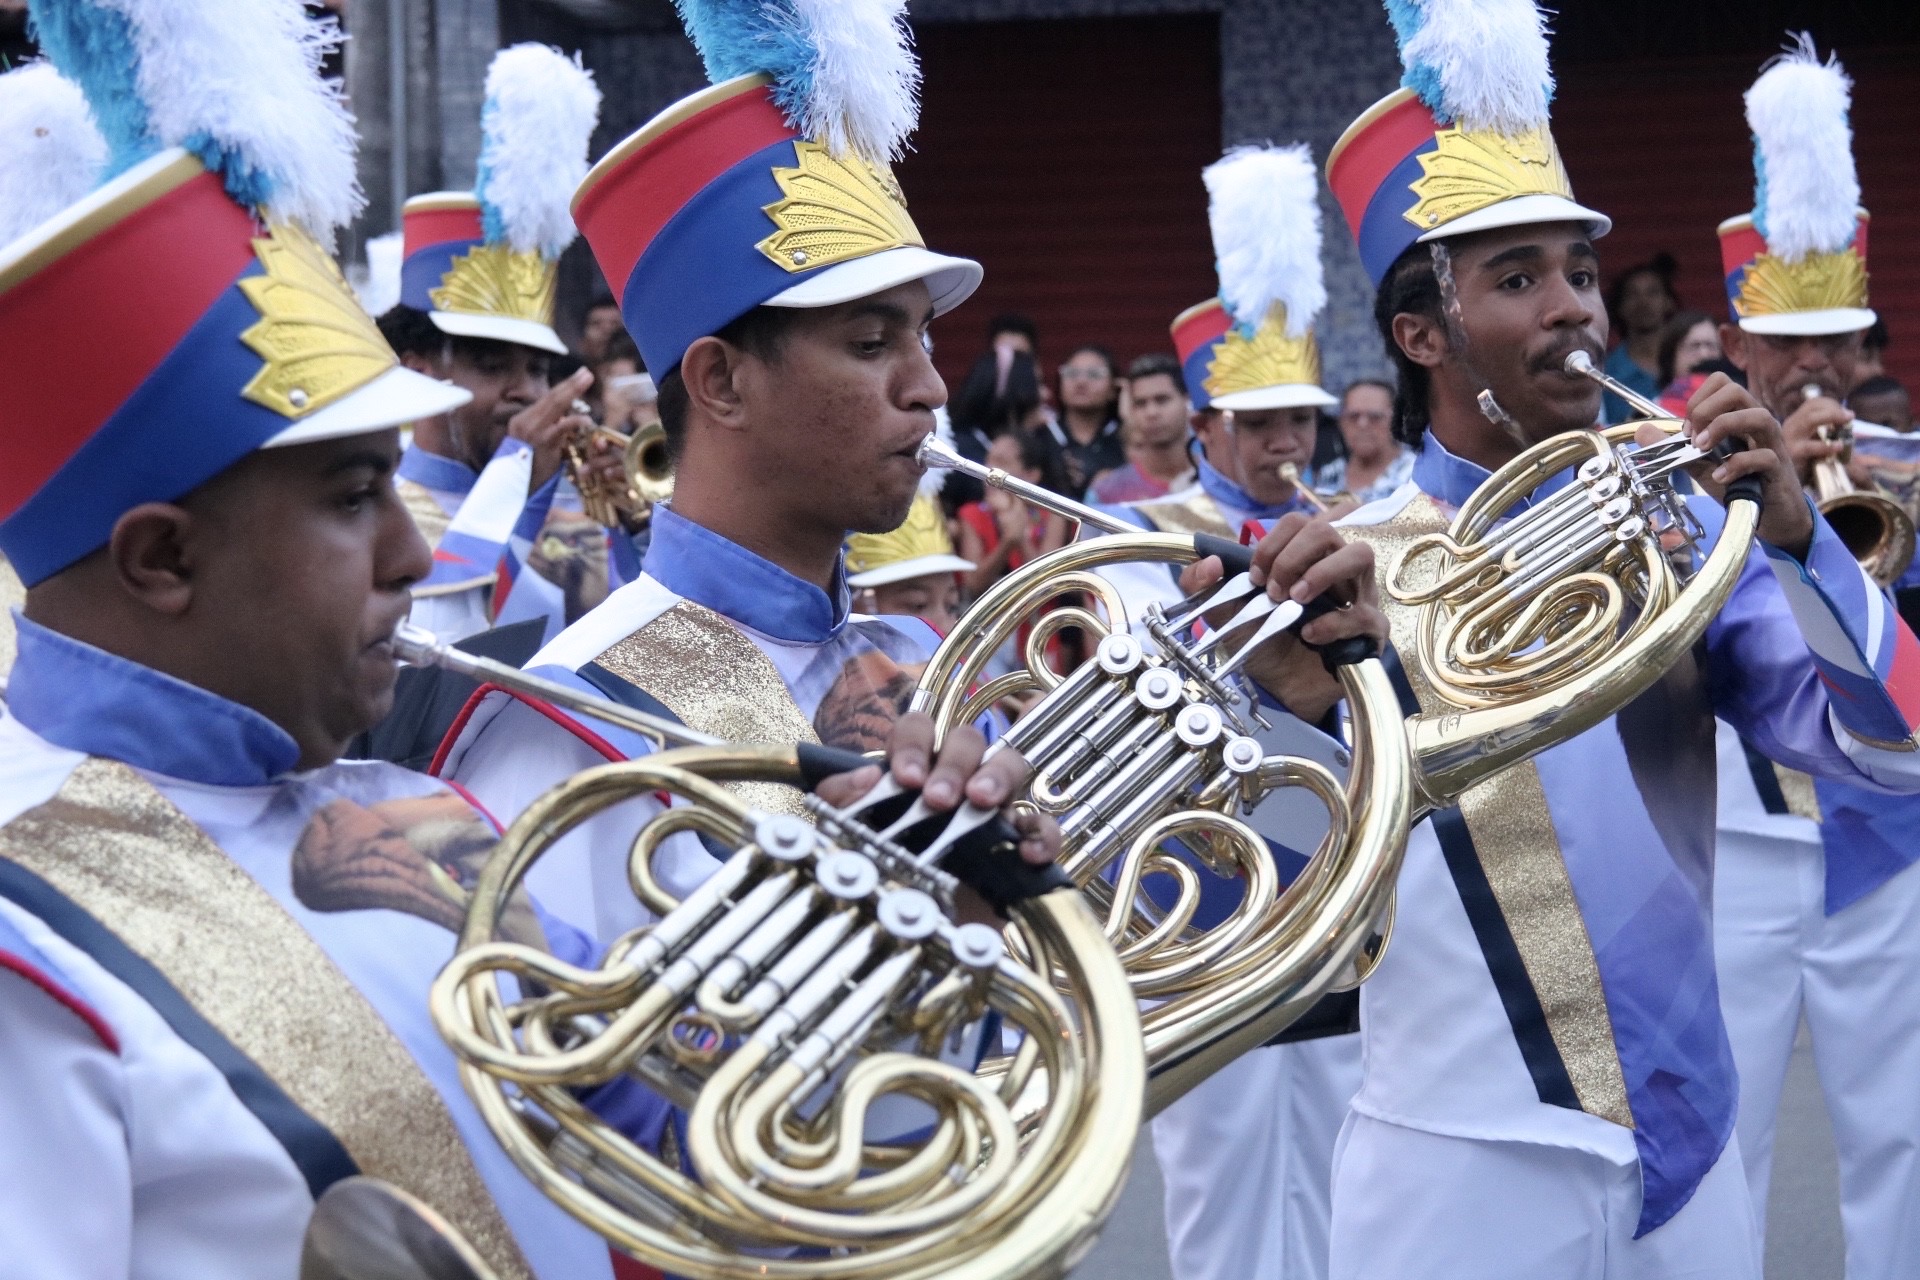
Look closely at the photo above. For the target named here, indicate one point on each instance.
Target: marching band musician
(477, 285)
(1547, 1086)
(1817, 905)
(1246, 1158)
(216, 939)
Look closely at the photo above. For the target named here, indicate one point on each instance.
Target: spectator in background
(980, 407)
(1640, 304)
(1873, 351)
(1689, 353)
(1087, 434)
(1154, 432)
(1376, 464)
(598, 328)
(1883, 401)
(1000, 533)
(617, 384)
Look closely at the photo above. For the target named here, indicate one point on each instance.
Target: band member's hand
(606, 470)
(1816, 430)
(1723, 410)
(959, 771)
(550, 422)
(1301, 559)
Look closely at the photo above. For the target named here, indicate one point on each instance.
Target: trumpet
(646, 471)
(792, 1005)
(1291, 474)
(1876, 529)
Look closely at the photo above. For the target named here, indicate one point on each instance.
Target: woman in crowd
(1689, 349)
(1000, 533)
(1375, 463)
(1087, 434)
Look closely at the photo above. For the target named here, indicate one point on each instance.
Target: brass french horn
(815, 983)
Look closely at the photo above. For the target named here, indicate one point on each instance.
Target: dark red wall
(1066, 156)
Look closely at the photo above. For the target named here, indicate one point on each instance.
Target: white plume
(865, 91)
(540, 111)
(1264, 208)
(51, 153)
(380, 290)
(1803, 154)
(1485, 61)
(239, 80)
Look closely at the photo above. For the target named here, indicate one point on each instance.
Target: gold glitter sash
(715, 680)
(1519, 852)
(119, 850)
(1192, 512)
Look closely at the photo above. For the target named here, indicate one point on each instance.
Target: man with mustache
(1547, 1086)
(1817, 902)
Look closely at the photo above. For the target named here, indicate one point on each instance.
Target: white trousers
(1247, 1159)
(1855, 978)
(1411, 1205)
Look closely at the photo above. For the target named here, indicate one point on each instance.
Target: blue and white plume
(1264, 209)
(1807, 190)
(379, 288)
(1480, 64)
(541, 107)
(51, 153)
(843, 70)
(236, 82)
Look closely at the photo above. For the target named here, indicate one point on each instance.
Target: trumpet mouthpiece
(1578, 362)
(934, 452)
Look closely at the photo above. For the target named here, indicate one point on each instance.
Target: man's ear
(1421, 339)
(711, 370)
(420, 364)
(148, 552)
(1733, 345)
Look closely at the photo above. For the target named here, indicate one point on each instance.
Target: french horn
(810, 1008)
(1531, 624)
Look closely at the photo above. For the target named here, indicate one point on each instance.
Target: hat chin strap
(1452, 318)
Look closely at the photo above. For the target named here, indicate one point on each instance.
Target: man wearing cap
(1817, 904)
(1548, 1088)
(215, 941)
(477, 286)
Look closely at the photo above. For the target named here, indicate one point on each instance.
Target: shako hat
(1798, 263)
(485, 263)
(1253, 346)
(1464, 144)
(773, 187)
(189, 300)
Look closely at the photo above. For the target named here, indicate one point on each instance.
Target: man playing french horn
(1548, 1088)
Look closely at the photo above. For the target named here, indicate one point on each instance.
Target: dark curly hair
(1410, 288)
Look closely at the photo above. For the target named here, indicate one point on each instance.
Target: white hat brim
(902, 570)
(397, 398)
(1287, 395)
(528, 333)
(1521, 211)
(1811, 324)
(950, 281)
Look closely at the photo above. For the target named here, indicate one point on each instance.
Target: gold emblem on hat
(493, 280)
(922, 534)
(835, 210)
(1267, 359)
(1818, 282)
(1469, 171)
(319, 344)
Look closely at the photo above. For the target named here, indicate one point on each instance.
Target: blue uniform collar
(707, 569)
(1452, 479)
(431, 471)
(88, 700)
(1228, 494)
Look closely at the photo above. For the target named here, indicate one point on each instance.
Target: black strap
(320, 1156)
(1525, 1014)
(1765, 780)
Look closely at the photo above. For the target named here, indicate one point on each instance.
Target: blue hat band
(426, 270)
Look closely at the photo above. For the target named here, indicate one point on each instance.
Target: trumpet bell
(1873, 527)
(648, 466)
(804, 1007)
